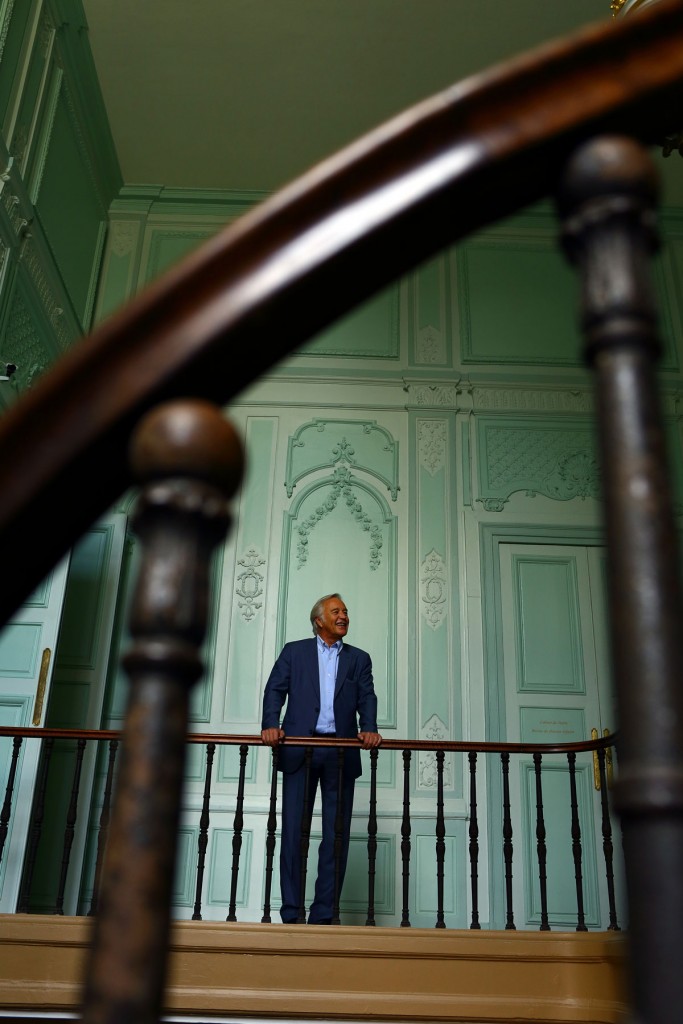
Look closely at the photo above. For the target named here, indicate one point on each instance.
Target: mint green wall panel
(438, 696)
(195, 763)
(81, 618)
(424, 900)
(201, 694)
(247, 673)
(168, 245)
(70, 209)
(19, 649)
(551, 456)
(15, 19)
(550, 651)
(14, 711)
(429, 316)
(120, 264)
(354, 899)
(227, 765)
(328, 442)
(29, 102)
(68, 704)
(560, 871)
(218, 880)
(185, 878)
(370, 332)
(534, 316)
(667, 284)
(26, 337)
(327, 521)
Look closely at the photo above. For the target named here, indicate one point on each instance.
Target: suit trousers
(323, 776)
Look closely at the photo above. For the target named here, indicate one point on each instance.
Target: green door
(557, 688)
(27, 647)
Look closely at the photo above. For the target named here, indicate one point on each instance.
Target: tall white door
(558, 688)
(27, 647)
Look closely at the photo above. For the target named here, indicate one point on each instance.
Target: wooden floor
(304, 972)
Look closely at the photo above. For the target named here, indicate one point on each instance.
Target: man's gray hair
(317, 609)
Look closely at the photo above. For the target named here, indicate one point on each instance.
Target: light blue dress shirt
(328, 660)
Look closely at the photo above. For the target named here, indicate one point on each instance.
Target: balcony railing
(557, 840)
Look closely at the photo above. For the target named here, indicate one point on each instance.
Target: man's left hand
(368, 740)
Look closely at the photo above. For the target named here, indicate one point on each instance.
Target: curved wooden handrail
(218, 320)
(254, 739)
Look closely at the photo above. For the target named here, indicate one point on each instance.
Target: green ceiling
(247, 94)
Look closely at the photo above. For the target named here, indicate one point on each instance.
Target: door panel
(557, 688)
(27, 646)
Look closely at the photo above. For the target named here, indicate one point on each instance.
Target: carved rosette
(433, 589)
(250, 583)
(431, 347)
(432, 445)
(577, 475)
(434, 731)
(123, 236)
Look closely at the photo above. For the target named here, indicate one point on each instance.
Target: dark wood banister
(251, 739)
(235, 739)
(470, 155)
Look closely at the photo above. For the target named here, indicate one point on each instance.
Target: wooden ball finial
(189, 438)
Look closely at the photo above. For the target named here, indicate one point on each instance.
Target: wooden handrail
(452, 164)
(451, 746)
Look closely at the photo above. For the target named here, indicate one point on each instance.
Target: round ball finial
(609, 165)
(188, 437)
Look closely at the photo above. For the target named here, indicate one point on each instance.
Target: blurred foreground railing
(482, 763)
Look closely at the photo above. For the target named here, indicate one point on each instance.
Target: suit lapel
(312, 669)
(342, 669)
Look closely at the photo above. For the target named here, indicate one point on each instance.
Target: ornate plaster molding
(434, 589)
(250, 583)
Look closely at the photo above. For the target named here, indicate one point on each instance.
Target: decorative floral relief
(4, 28)
(342, 487)
(430, 346)
(577, 475)
(443, 396)
(434, 730)
(365, 445)
(529, 456)
(533, 400)
(249, 583)
(24, 347)
(19, 143)
(343, 452)
(434, 589)
(47, 31)
(557, 463)
(55, 312)
(493, 504)
(432, 445)
(15, 212)
(123, 237)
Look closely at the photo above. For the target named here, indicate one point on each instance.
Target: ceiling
(247, 94)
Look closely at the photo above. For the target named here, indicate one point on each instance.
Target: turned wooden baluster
(607, 200)
(474, 841)
(372, 838)
(189, 462)
(203, 838)
(103, 832)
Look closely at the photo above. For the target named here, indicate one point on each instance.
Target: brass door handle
(609, 765)
(42, 686)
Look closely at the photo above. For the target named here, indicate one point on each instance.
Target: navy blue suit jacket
(294, 678)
